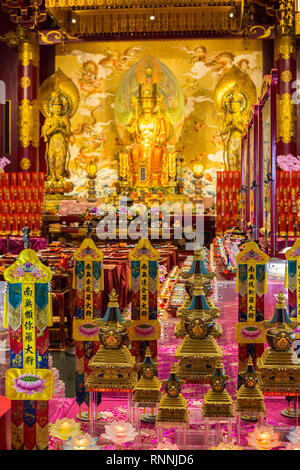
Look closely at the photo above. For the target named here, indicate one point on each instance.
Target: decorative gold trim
(28, 123)
(25, 163)
(54, 36)
(25, 82)
(266, 31)
(137, 20)
(28, 53)
(286, 121)
(286, 76)
(285, 47)
(138, 3)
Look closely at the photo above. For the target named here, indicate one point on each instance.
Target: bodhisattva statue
(232, 131)
(235, 94)
(59, 100)
(147, 129)
(56, 132)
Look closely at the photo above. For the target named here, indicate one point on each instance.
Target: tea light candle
(81, 442)
(121, 430)
(65, 428)
(264, 438)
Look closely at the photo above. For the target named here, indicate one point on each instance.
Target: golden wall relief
(97, 69)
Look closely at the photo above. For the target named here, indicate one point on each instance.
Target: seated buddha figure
(147, 130)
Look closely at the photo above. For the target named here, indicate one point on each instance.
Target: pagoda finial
(281, 298)
(113, 299)
(26, 237)
(89, 229)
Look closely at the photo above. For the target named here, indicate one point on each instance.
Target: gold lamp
(198, 172)
(91, 171)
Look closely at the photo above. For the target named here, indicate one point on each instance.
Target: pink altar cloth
(117, 409)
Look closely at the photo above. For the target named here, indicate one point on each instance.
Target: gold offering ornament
(217, 401)
(59, 101)
(148, 386)
(172, 407)
(249, 396)
(279, 368)
(113, 366)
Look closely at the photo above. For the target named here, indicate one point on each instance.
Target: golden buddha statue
(59, 100)
(147, 129)
(232, 131)
(235, 94)
(56, 132)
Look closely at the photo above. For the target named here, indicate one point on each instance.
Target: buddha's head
(56, 103)
(148, 97)
(235, 101)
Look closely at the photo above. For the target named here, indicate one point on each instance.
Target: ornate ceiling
(132, 17)
(108, 19)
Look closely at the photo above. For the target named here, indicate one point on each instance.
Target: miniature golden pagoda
(199, 351)
(279, 367)
(249, 396)
(196, 272)
(172, 407)
(198, 302)
(113, 365)
(217, 401)
(148, 386)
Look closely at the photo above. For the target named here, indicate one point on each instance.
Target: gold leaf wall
(97, 69)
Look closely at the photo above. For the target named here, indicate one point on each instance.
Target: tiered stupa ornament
(113, 365)
(148, 387)
(217, 401)
(172, 407)
(198, 302)
(199, 350)
(197, 271)
(249, 396)
(279, 367)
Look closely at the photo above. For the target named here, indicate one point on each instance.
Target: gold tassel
(50, 312)
(5, 315)
(265, 282)
(73, 278)
(102, 278)
(237, 280)
(286, 275)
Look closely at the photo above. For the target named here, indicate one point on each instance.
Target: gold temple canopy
(92, 17)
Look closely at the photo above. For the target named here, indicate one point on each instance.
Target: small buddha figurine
(147, 129)
(56, 132)
(232, 131)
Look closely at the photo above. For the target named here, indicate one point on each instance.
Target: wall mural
(98, 68)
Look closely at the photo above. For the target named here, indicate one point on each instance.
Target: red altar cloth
(16, 244)
(5, 434)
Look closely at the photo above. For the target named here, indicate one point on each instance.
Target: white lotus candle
(121, 430)
(81, 442)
